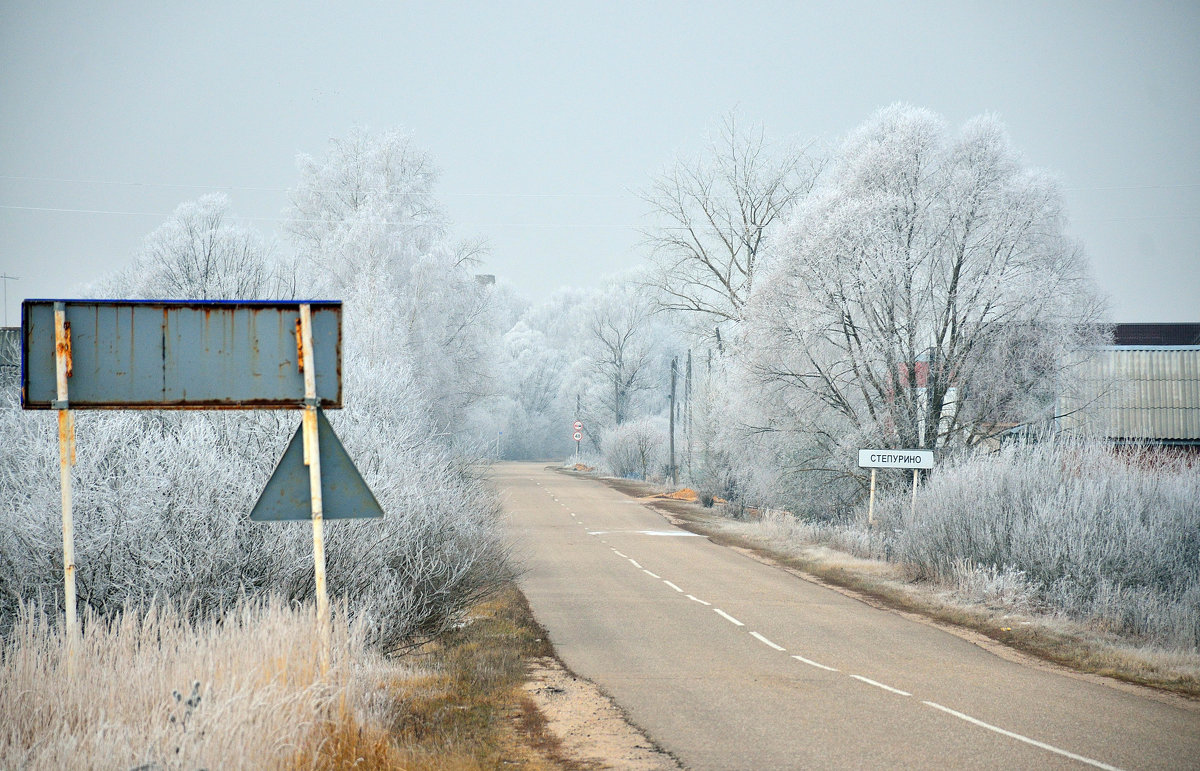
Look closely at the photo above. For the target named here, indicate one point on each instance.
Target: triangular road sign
(344, 494)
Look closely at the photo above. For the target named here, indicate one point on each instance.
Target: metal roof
(1136, 393)
(1156, 334)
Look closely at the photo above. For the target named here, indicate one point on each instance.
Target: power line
(1135, 187)
(334, 191)
(63, 210)
(568, 225)
(624, 194)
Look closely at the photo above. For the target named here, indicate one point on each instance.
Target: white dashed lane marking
(728, 617)
(869, 681)
(697, 599)
(765, 641)
(1020, 738)
(812, 663)
(673, 586)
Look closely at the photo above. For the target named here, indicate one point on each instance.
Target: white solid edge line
(619, 554)
(1020, 738)
(697, 599)
(812, 663)
(652, 575)
(728, 617)
(767, 642)
(673, 586)
(881, 685)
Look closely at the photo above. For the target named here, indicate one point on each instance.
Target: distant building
(1145, 388)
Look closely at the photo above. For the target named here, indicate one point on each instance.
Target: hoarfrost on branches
(714, 220)
(925, 295)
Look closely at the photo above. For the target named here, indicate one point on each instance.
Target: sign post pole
(877, 459)
(871, 505)
(312, 458)
(66, 459)
(913, 512)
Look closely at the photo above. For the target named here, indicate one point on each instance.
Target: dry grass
(462, 707)
(160, 692)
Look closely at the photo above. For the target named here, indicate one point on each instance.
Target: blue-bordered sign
(127, 354)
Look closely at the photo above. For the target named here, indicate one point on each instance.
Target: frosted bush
(637, 448)
(162, 503)
(1005, 587)
(1112, 536)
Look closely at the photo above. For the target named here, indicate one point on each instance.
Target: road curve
(728, 663)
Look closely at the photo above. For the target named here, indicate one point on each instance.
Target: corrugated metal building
(1139, 393)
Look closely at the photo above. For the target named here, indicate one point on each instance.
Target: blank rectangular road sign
(154, 354)
(895, 458)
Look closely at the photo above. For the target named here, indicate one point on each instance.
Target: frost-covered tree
(538, 416)
(621, 349)
(636, 448)
(714, 218)
(198, 254)
(369, 229)
(926, 294)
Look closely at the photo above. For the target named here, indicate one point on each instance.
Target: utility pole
(674, 372)
(6, 278)
(687, 412)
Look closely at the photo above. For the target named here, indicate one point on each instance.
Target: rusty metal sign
(344, 493)
(124, 354)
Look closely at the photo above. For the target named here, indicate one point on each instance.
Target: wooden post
(66, 459)
(871, 505)
(913, 512)
(312, 458)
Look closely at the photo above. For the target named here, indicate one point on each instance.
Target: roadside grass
(156, 690)
(460, 705)
(976, 604)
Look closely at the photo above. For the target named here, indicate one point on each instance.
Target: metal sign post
(578, 437)
(312, 459)
(877, 459)
(121, 354)
(66, 459)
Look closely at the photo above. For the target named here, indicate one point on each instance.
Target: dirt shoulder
(591, 731)
(1033, 639)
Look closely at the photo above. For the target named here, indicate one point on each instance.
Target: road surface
(728, 663)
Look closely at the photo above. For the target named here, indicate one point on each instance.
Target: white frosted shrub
(1112, 536)
(636, 448)
(162, 503)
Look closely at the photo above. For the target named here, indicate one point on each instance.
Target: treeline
(912, 286)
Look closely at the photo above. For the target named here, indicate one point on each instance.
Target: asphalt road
(728, 663)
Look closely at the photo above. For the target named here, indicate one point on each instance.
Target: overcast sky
(547, 118)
